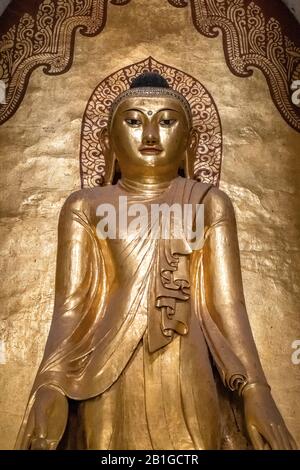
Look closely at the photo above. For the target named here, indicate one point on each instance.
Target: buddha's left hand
(264, 422)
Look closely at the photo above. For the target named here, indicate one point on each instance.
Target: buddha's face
(149, 136)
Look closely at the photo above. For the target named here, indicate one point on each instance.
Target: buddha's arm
(225, 301)
(223, 282)
(45, 420)
(73, 269)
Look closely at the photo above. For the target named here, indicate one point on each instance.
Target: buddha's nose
(150, 136)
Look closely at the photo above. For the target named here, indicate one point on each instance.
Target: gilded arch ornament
(252, 38)
(205, 119)
(45, 38)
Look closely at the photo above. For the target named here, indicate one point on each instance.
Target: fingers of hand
(291, 440)
(53, 445)
(28, 432)
(266, 439)
(281, 439)
(277, 437)
(39, 438)
(285, 438)
(273, 437)
(256, 438)
(36, 432)
(39, 443)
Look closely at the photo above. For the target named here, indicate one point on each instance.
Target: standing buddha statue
(141, 323)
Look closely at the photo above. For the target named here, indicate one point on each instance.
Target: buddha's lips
(150, 150)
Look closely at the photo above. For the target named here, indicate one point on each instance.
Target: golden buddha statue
(140, 323)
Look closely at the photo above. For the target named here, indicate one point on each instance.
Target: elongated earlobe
(190, 154)
(110, 170)
(188, 171)
(109, 156)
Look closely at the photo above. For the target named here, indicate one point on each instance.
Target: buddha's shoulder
(87, 197)
(210, 194)
(216, 195)
(217, 203)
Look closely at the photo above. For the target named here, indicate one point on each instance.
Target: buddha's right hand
(47, 420)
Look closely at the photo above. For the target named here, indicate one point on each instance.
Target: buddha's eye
(167, 122)
(133, 122)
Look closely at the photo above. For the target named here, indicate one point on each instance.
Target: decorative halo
(206, 120)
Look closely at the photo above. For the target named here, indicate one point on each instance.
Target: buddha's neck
(151, 187)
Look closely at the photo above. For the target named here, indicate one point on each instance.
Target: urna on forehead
(147, 86)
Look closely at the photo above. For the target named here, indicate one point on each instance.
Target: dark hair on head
(150, 84)
(149, 79)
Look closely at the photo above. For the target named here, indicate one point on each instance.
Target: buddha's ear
(104, 141)
(108, 154)
(191, 152)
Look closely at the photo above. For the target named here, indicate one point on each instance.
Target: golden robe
(132, 342)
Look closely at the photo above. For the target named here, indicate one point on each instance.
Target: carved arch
(45, 39)
(254, 39)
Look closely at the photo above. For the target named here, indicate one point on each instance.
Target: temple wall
(39, 157)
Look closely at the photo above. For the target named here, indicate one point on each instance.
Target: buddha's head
(150, 132)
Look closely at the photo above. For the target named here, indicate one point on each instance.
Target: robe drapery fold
(98, 328)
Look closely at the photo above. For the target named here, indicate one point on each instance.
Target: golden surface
(149, 299)
(39, 157)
